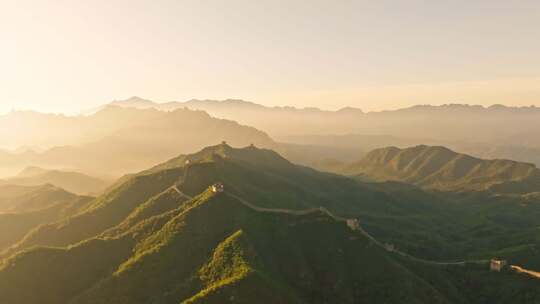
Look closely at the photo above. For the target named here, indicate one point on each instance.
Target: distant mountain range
(453, 122)
(270, 119)
(440, 168)
(130, 135)
(488, 132)
(71, 181)
(164, 236)
(115, 140)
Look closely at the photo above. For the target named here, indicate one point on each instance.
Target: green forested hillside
(147, 241)
(443, 169)
(25, 208)
(102, 213)
(215, 250)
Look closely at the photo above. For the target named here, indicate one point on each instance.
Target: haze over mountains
(127, 136)
(448, 121)
(414, 224)
(163, 236)
(338, 152)
(354, 144)
(71, 181)
(493, 132)
(115, 141)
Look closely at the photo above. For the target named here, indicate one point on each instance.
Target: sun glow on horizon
(67, 57)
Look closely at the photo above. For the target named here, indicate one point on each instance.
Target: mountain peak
(223, 151)
(31, 171)
(249, 154)
(134, 101)
(350, 110)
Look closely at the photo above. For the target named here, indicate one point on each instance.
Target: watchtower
(353, 224)
(389, 247)
(218, 188)
(497, 265)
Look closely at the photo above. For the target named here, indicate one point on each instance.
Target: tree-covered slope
(218, 249)
(161, 236)
(442, 169)
(30, 207)
(214, 249)
(258, 173)
(102, 213)
(441, 225)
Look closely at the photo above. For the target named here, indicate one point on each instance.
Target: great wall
(354, 225)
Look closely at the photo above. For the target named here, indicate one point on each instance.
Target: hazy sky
(74, 54)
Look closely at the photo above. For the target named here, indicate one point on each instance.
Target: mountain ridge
(449, 123)
(75, 182)
(123, 140)
(206, 246)
(142, 103)
(438, 167)
(235, 254)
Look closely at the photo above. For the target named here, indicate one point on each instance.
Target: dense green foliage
(104, 212)
(143, 242)
(215, 250)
